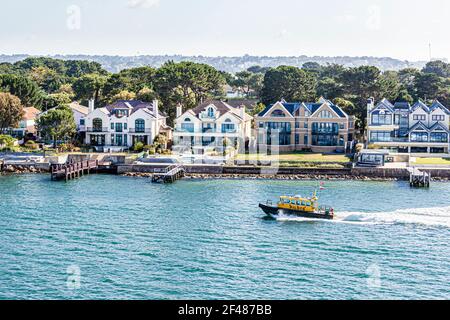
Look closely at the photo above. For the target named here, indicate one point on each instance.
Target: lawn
(438, 161)
(295, 157)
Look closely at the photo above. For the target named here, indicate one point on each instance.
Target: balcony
(134, 130)
(97, 129)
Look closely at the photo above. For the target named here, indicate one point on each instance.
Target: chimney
(91, 105)
(242, 112)
(370, 104)
(155, 109)
(179, 110)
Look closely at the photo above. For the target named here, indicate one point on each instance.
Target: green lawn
(296, 157)
(439, 161)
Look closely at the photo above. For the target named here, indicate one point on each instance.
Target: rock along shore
(20, 169)
(198, 176)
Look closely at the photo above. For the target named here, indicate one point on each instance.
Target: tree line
(46, 83)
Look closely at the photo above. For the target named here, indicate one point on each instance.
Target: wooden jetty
(169, 174)
(419, 179)
(72, 170)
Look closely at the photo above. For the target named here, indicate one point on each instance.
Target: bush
(138, 147)
(68, 147)
(6, 140)
(30, 144)
(151, 151)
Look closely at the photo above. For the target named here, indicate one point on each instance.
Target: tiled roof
(291, 107)
(221, 106)
(78, 107)
(30, 113)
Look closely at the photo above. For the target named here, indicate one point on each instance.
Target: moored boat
(298, 206)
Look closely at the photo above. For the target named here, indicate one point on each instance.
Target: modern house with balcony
(122, 124)
(314, 126)
(405, 128)
(208, 125)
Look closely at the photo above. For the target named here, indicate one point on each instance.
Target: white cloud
(142, 4)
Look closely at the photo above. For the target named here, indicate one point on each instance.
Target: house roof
(133, 106)
(222, 107)
(30, 113)
(78, 107)
(291, 107)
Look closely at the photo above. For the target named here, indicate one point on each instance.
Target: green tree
(187, 83)
(26, 90)
(89, 86)
(439, 68)
(57, 124)
(329, 88)
(290, 83)
(248, 82)
(11, 111)
(428, 86)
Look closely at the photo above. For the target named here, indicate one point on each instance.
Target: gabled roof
(292, 107)
(437, 105)
(78, 107)
(419, 125)
(222, 107)
(402, 106)
(133, 106)
(438, 125)
(420, 104)
(386, 104)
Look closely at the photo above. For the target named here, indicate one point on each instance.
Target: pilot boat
(298, 206)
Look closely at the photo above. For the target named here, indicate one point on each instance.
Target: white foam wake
(438, 216)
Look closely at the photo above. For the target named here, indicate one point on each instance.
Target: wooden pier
(72, 170)
(419, 179)
(169, 175)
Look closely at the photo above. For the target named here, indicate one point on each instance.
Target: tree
(57, 124)
(290, 83)
(46, 78)
(428, 86)
(124, 95)
(329, 88)
(89, 86)
(248, 82)
(187, 83)
(258, 109)
(26, 90)
(146, 94)
(55, 99)
(11, 111)
(439, 68)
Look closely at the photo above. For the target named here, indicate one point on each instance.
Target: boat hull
(275, 211)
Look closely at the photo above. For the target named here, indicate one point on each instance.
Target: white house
(124, 123)
(403, 128)
(209, 124)
(27, 126)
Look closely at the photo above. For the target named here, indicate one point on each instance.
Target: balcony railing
(97, 129)
(134, 130)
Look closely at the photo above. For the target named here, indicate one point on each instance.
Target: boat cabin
(298, 203)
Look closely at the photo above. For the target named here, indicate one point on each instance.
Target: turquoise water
(131, 239)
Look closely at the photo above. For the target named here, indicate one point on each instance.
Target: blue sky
(396, 28)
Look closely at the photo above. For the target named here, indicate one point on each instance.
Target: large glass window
(325, 127)
(277, 113)
(325, 114)
(228, 127)
(97, 124)
(282, 129)
(379, 119)
(139, 125)
(439, 137)
(189, 127)
(119, 127)
(419, 136)
(419, 117)
(381, 136)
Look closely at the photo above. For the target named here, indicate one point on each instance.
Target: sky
(401, 29)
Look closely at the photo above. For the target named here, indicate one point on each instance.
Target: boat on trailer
(299, 207)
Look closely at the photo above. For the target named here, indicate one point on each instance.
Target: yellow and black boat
(298, 206)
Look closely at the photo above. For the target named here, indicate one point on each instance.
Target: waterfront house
(123, 123)
(27, 126)
(405, 128)
(209, 124)
(305, 126)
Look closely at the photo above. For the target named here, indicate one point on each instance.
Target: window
(228, 127)
(305, 140)
(97, 124)
(82, 122)
(297, 125)
(419, 117)
(119, 127)
(380, 136)
(325, 128)
(210, 112)
(125, 126)
(120, 113)
(282, 129)
(305, 125)
(419, 137)
(277, 113)
(379, 119)
(297, 139)
(341, 126)
(112, 126)
(261, 124)
(439, 137)
(438, 118)
(139, 125)
(189, 127)
(325, 114)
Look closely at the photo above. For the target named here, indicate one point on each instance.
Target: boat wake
(436, 217)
